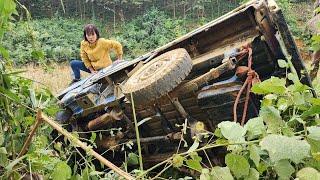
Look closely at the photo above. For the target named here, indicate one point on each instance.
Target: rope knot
(252, 78)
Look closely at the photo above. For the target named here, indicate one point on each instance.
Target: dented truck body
(204, 90)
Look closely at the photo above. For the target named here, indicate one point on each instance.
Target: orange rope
(252, 77)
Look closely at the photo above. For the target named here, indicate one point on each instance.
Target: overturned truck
(199, 79)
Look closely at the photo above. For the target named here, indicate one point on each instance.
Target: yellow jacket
(97, 55)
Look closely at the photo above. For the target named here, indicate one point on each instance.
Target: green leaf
(177, 160)
(298, 87)
(217, 132)
(133, 159)
(194, 162)
(293, 77)
(237, 164)
(58, 146)
(219, 173)
(284, 169)
(4, 53)
(95, 173)
(262, 167)
(266, 102)
(3, 150)
(315, 147)
(282, 63)
(314, 132)
(205, 174)
(287, 131)
(271, 96)
(85, 174)
(282, 104)
(254, 154)
(273, 85)
(93, 136)
(255, 127)
(33, 98)
(76, 177)
(315, 101)
(271, 116)
(281, 147)
(311, 162)
(1, 138)
(315, 109)
(3, 160)
(253, 174)
(195, 156)
(62, 171)
(308, 173)
(10, 94)
(29, 120)
(231, 130)
(298, 98)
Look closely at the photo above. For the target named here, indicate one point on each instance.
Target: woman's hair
(90, 29)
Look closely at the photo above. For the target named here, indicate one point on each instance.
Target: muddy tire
(158, 77)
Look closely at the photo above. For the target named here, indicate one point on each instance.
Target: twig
(162, 171)
(30, 171)
(88, 149)
(137, 133)
(84, 159)
(208, 158)
(27, 142)
(53, 141)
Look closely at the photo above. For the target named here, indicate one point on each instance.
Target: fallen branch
(27, 142)
(43, 118)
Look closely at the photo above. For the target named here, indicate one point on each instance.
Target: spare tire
(158, 77)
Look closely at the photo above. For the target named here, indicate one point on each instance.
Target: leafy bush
(59, 39)
(149, 31)
(281, 143)
(56, 39)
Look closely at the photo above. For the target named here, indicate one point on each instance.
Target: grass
(56, 77)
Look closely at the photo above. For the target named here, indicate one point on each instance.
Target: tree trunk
(93, 17)
(184, 10)
(218, 4)
(114, 18)
(84, 11)
(80, 9)
(174, 9)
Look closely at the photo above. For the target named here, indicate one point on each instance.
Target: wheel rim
(152, 69)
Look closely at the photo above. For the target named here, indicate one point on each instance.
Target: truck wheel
(158, 77)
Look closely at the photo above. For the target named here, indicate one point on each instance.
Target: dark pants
(76, 66)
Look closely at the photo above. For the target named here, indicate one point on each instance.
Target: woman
(94, 52)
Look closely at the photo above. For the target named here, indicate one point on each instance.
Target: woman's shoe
(74, 81)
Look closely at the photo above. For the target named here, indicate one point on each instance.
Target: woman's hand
(117, 61)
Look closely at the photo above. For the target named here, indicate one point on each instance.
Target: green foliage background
(59, 39)
(56, 37)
